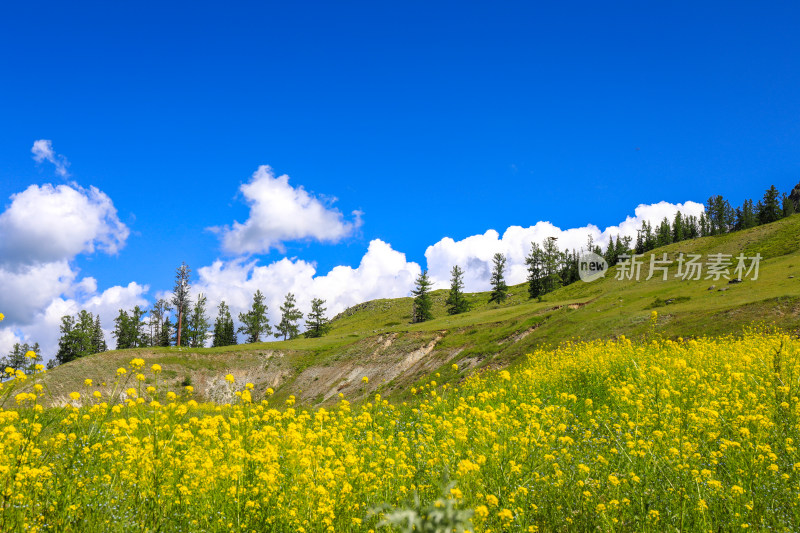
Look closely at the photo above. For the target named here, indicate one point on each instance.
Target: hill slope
(375, 339)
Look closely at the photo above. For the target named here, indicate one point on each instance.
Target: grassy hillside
(375, 339)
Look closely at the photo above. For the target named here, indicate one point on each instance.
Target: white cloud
(108, 303)
(279, 213)
(7, 340)
(43, 151)
(51, 225)
(46, 224)
(382, 273)
(43, 327)
(474, 253)
(42, 230)
(385, 273)
(653, 213)
(30, 288)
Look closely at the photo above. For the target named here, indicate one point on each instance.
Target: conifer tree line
(456, 302)
(719, 218)
(16, 359)
(550, 268)
(82, 334)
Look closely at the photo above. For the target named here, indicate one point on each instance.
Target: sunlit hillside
(377, 339)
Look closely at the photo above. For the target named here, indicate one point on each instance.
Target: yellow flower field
(695, 435)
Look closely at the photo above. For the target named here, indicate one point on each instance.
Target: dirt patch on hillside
(390, 358)
(519, 336)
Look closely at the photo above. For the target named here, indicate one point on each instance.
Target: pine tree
(85, 324)
(769, 208)
(664, 234)
(137, 333)
(255, 322)
(290, 314)
(16, 358)
(570, 270)
(623, 245)
(35, 349)
(180, 298)
(536, 271)
(711, 216)
(691, 227)
(738, 223)
(552, 260)
(129, 329)
(122, 331)
(704, 225)
(77, 337)
(158, 314)
(498, 282)
(649, 237)
(677, 228)
(165, 333)
(317, 324)
(421, 310)
(224, 334)
(719, 215)
(456, 301)
(198, 323)
(639, 246)
(66, 352)
(726, 214)
(589, 243)
(98, 337)
(229, 332)
(610, 255)
(749, 217)
(788, 206)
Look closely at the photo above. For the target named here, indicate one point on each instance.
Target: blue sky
(434, 120)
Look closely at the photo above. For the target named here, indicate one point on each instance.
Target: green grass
(376, 338)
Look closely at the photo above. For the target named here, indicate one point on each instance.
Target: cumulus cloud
(280, 213)
(42, 230)
(382, 273)
(41, 285)
(386, 273)
(8, 337)
(30, 288)
(43, 327)
(43, 151)
(46, 224)
(652, 213)
(474, 253)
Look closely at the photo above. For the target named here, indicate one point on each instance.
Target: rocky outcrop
(795, 197)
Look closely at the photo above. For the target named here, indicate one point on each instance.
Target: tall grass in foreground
(697, 435)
